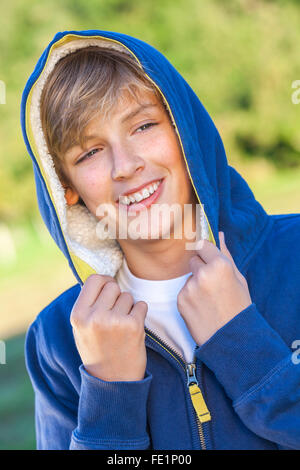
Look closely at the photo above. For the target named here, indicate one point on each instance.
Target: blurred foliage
(240, 57)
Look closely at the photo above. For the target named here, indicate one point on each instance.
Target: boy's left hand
(214, 294)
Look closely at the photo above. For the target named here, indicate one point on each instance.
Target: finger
(91, 289)
(109, 294)
(140, 310)
(123, 304)
(195, 263)
(207, 251)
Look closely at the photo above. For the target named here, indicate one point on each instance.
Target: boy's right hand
(109, 330)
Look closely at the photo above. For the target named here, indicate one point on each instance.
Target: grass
(277, 190)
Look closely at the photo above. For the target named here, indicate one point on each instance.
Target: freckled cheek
(166, 152)
(173, 159)
(94, 187)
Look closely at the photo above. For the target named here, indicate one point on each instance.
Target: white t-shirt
(162, 317)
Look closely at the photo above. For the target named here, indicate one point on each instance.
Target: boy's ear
(71, 196)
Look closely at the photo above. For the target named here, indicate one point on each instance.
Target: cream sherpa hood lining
(78, 224)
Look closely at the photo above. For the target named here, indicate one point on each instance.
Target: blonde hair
(83, 84)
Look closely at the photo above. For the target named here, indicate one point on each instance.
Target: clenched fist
(109, 330)
(214, 294)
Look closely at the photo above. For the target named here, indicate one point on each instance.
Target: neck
(158, 259)
(165, 261)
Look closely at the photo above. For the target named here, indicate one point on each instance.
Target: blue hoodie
(243, 389)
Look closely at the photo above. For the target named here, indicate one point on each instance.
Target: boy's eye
(87, 155)
(92, 152)
(147, 125)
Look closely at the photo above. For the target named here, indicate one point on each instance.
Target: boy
(163, 343)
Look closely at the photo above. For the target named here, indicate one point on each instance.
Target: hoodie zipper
(202, 413)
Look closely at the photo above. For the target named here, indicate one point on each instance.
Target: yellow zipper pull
(196, 395)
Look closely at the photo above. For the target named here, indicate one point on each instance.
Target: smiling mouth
(146, 198)
(140, 196)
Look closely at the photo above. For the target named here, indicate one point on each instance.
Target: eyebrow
(138, 110)
(87, 138)
(128, 116)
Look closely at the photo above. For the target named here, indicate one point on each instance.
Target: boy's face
(133, 147)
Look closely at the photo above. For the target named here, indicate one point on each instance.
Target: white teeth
(145, 193)
(139, 196)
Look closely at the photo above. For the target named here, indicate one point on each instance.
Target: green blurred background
(240, 57)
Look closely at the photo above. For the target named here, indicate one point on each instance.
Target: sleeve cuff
(112, 411)
(243, 351)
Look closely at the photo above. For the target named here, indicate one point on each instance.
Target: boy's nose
(125, 164)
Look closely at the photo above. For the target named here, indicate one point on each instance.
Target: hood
(227, 202)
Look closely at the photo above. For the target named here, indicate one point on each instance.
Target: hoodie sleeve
(106, 415)
(259, 374)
